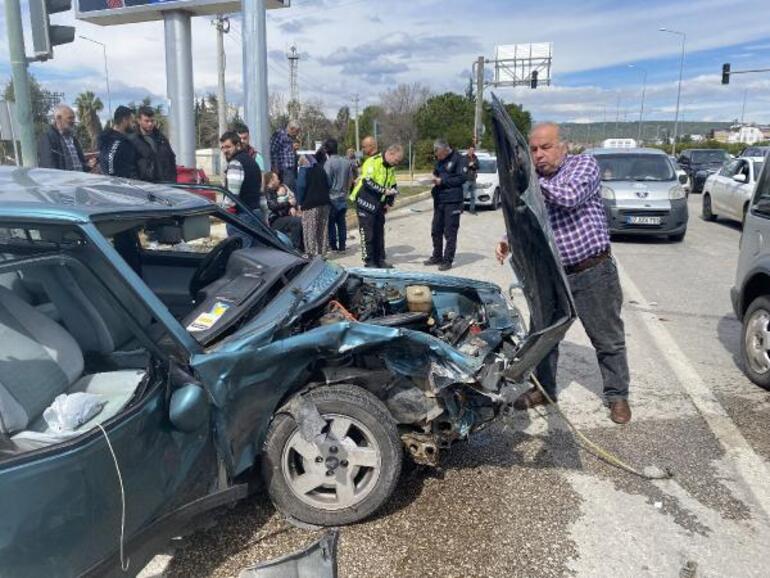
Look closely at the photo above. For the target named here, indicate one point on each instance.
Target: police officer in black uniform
(449, 176)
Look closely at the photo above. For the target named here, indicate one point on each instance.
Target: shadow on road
(729, 333)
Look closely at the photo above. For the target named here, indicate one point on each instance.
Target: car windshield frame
(625, 164)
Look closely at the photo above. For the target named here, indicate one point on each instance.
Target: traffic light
(44, 34)
(726, 73)
(533, 79)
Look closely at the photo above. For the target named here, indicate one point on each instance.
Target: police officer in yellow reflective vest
(375, 190)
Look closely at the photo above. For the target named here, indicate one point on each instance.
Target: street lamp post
(641, 107)
(679, 89)
(106, 71)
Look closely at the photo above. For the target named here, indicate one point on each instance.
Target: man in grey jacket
(339, 171)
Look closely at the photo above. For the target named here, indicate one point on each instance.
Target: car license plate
(643, 220)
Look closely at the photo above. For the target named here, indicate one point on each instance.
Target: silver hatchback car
(642, 192)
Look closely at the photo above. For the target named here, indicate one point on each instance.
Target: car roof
(72, 196)
(620, 151)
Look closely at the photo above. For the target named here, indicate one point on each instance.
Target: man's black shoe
(445, 266)
(384, 265)
(433, 261)
(370, 265)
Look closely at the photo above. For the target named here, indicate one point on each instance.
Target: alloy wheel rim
(336, 472)
(757, 341)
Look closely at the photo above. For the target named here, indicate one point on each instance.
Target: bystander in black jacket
(318, 188)
(251, 188)
(117, 155)
(453, 173)
(52, 151)
(156, 161)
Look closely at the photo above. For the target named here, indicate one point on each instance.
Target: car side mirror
(189, 408)
(683, 179)
(741, 178)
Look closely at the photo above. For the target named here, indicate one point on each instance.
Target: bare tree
(276, 106)
(315, 125)
(400, 105)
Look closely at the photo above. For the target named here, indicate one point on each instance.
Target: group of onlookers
(302, 196)
(132, 147)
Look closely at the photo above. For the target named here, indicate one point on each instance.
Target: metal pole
(679, 88)
(21, 92)
(641, 107)
(358, 134)
(106, 72)
(477, 117)
(411, 166)
(255, 72)
(221, 97)
(743, 107)
(179, 85)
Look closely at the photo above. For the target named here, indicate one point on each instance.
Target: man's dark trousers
(338, 228)
(372, 230)
(446, 223)
(598, 299)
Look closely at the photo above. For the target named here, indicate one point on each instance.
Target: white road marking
(751, 468)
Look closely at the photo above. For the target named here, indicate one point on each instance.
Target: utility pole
(21, 91)
(255, 72)
(679, 86)
(222, 24)
(358, 134)
(293, 57)
(477, 117)
(743, 108)
(177, 25)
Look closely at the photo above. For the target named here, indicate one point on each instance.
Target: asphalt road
(521, 498)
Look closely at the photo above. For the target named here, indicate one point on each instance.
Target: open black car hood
(534, 256)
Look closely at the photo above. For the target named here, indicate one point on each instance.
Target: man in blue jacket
(449, 176)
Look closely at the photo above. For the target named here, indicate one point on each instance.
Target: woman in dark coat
(313, 192)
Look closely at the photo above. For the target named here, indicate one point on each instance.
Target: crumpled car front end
(444, 345)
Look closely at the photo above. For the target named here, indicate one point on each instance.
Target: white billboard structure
(523, 65)
(176, 15)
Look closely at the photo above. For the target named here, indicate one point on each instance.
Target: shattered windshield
(635, 167)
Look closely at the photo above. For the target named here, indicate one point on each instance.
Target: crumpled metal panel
(246, 385)
(319, 560)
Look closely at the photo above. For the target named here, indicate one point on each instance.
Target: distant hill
(597, 131)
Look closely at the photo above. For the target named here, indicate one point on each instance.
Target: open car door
(534, 256)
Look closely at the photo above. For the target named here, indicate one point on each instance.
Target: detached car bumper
(668, 219)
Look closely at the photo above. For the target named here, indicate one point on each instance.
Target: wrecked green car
(152, 366)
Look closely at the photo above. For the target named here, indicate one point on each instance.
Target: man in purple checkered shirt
(571, 187)
(283, 157)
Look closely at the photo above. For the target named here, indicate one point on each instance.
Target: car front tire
(349, 474)
(706, 212)
(755, 342)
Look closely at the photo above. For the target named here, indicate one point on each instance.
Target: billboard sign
(109, 12)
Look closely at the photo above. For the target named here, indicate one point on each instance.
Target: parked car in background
(487, 183)
(751, 292)
(642, 193)
(700, 163)
(755, 151)
(728, 192)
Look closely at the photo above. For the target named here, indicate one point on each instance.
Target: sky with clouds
(366, 46)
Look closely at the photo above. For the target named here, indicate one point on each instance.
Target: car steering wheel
(214, 264)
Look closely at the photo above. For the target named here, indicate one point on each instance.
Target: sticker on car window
(206, 321)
